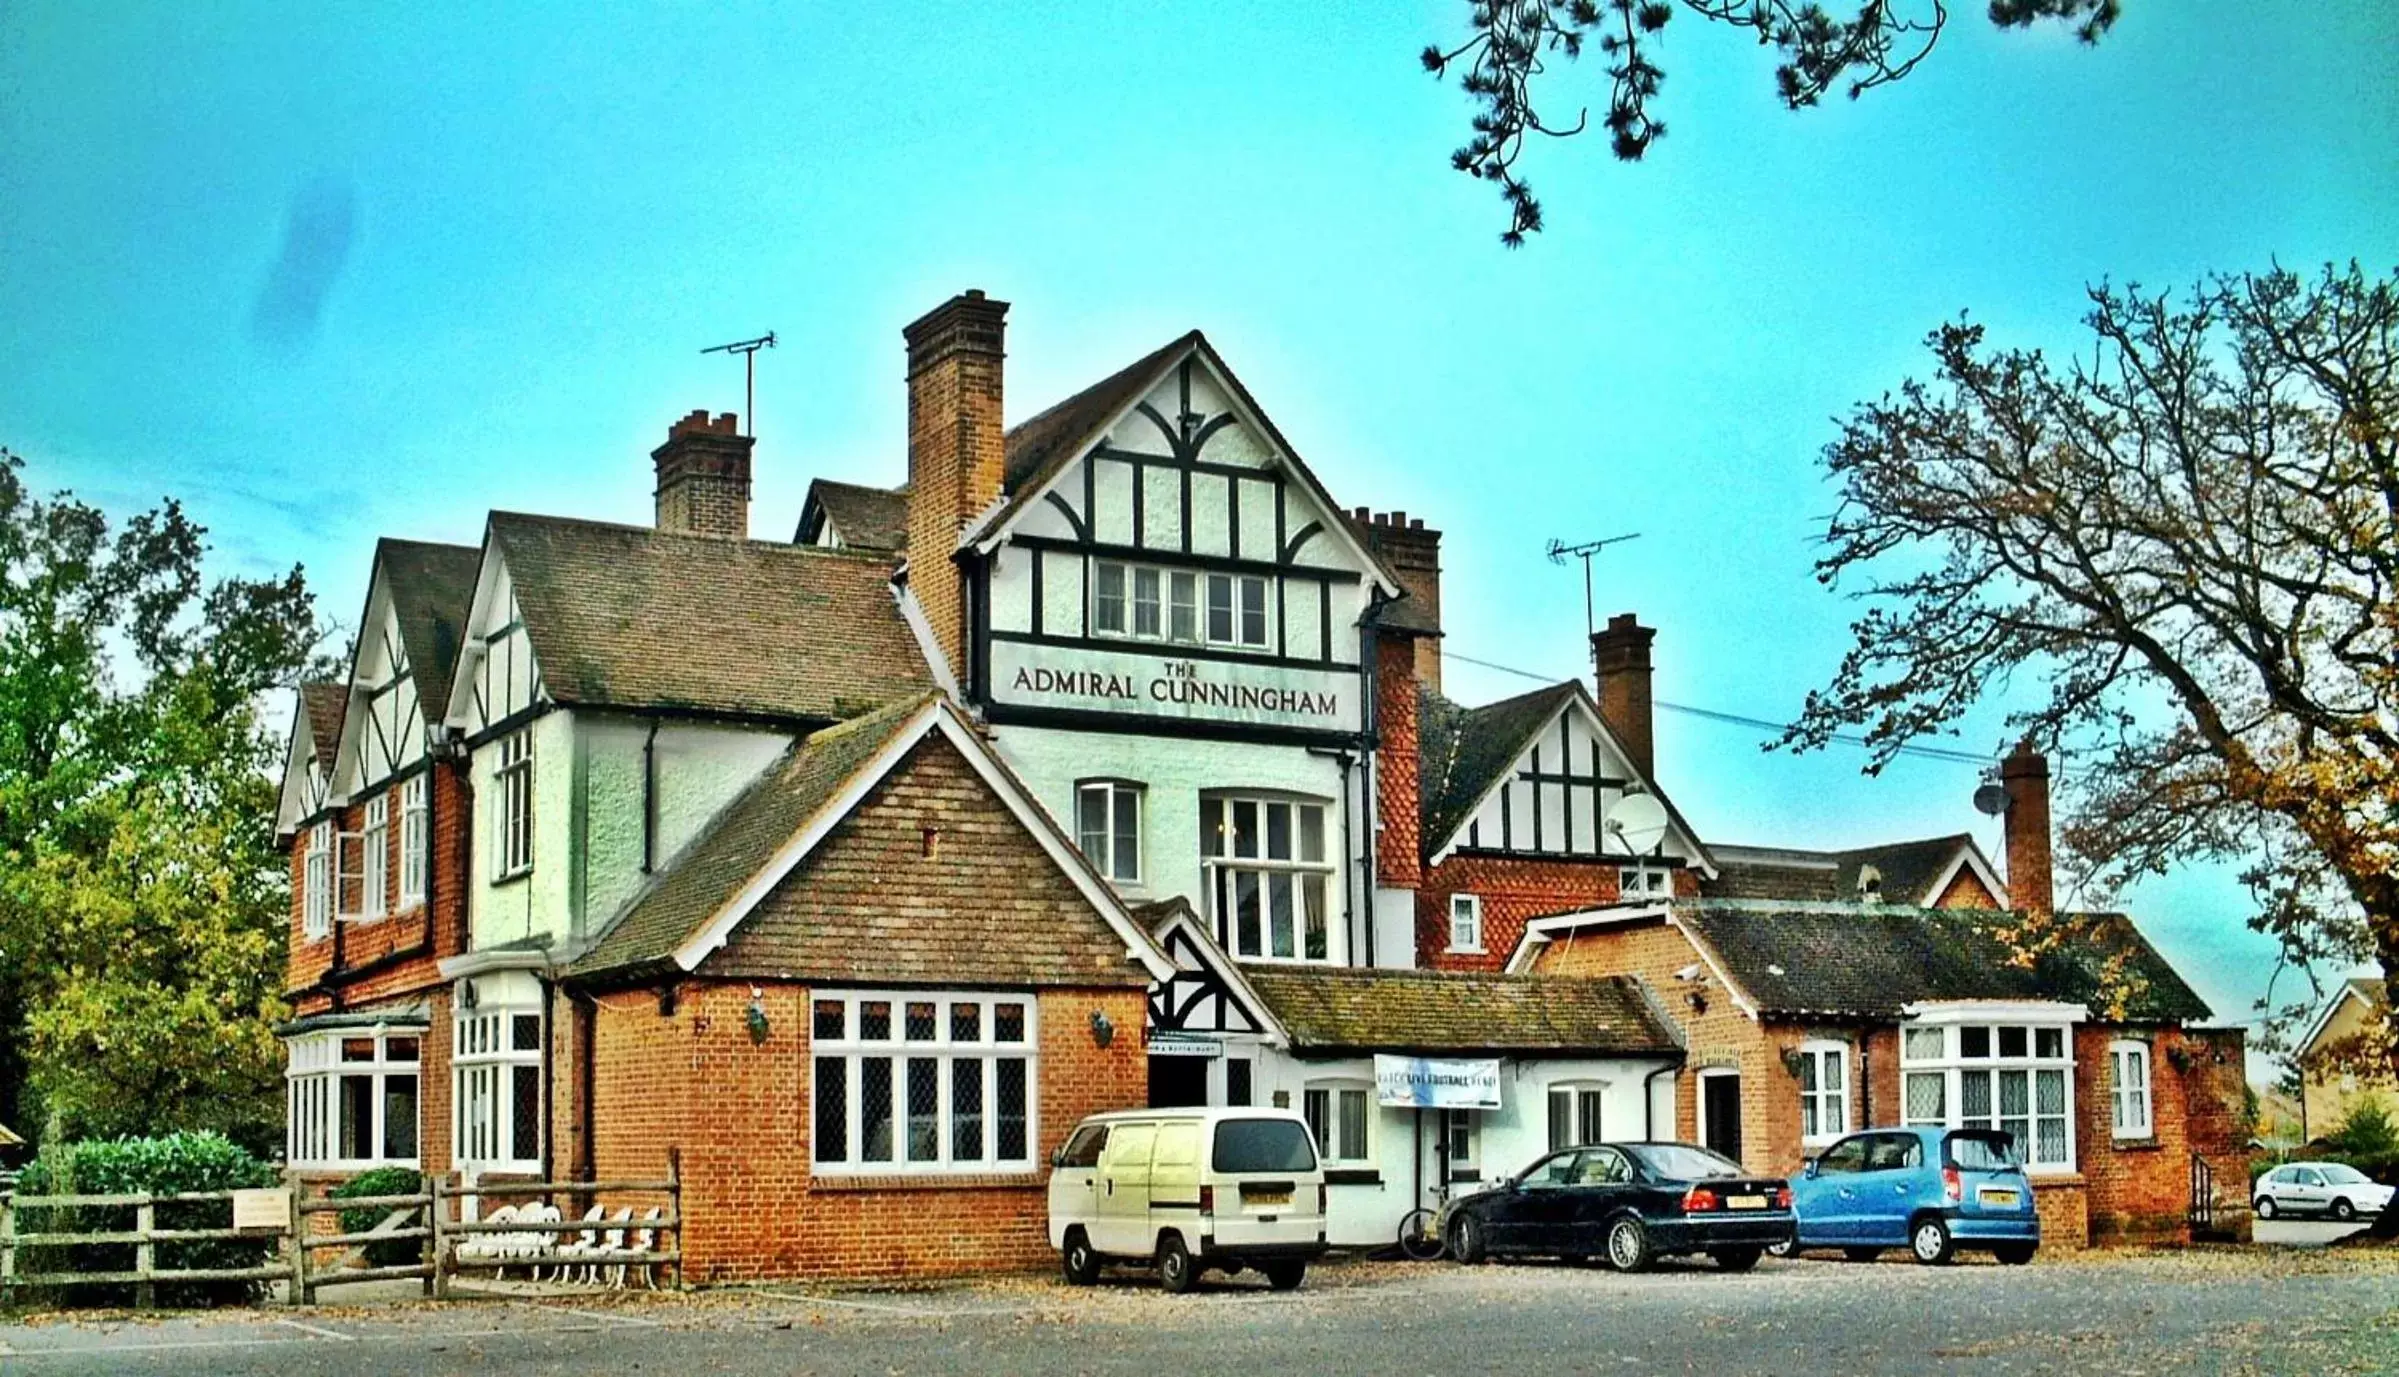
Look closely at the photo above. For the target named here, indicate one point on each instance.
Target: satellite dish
(1991, 799)
(1637, 820)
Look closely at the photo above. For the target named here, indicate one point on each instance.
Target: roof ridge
(1188, 337)
(696, 540)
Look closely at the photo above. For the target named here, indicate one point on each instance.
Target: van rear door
(1267, 1182)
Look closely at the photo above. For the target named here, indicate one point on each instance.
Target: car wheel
(2265, 1207)
(1466, 1239)
(1861, 1254)
(1785, 1248)
(1628, 1244)
(1929, 1241)
(1176, 1271)
(1077, 1260)
(2015, 1254)
(1738, 1259)
(2343, 1211)
(1285, 1276)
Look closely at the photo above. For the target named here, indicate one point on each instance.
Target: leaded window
(922, 1082)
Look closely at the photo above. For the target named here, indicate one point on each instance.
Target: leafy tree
(1509, 45)
(2184, 543)
(142, 898)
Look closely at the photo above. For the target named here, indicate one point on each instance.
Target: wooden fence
(424, 1216)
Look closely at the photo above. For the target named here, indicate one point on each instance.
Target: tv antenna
(1560, 552)
(748, 349)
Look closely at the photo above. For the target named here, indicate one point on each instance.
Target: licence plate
(1998, 1197)
(1745, 1202)
(1267, 1200)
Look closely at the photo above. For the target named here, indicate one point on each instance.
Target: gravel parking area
(2202, 1311)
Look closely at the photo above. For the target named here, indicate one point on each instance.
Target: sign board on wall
(1168, 1043)
(1129, 682)
(267, 1209)
(1429, 1083)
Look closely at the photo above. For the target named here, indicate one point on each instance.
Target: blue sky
(334, 272)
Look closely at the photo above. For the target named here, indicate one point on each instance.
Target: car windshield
(1682, 1162)
(1263, 1145)
(1982, 1151)
(2340, 1175)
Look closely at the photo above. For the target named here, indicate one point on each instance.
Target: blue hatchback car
(1929, 1190)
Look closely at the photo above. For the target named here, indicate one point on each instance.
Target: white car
(2326, 1188)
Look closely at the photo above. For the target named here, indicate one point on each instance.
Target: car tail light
(1782, 1197)
(1953, 1186)
(1699, 1199)
(1207, 1200)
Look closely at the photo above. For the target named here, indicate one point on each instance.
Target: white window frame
(1464, 1139)
(316, 883)
(416, 840)
(1224, 866)
(951, 1056)
(1102, 846)
(313, 1075)
(484, 1084)
(1146, 602)
(1951, 1068)
(1466, 923)
(374, 858)
(512, 811)
(1830, 1102)
(2132, 1106)
(1325, 1105)
(1586, 1108)
(1644, 882)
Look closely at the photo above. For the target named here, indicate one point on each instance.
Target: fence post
(8, 1242)
(145, 1220)
(440, 1281)
(302, 1292)
(429, 1247)
(674, 1204)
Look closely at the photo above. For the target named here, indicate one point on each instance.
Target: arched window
(2128, 1067)
(1823, 1090)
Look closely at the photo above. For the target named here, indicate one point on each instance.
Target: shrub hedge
(174, 1163)
(398, 1252)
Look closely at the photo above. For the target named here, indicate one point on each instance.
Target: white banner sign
(1426, 1083)
(1130, 682)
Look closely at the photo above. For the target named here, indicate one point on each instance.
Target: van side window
(1083, 1150)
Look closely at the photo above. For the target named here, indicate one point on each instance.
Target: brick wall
(394, 957)
(2140, 1189)
(1399, 862)
(1514, 891)
(738, 1110)
(957, 449)
(1966, 891)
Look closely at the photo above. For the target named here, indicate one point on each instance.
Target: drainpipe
(649, 799)
(587, 1023)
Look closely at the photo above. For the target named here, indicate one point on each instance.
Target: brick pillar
(1620, 659)
(957, 449)
(704, 477)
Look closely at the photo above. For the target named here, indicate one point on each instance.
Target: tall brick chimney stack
(957, 454)
(1620, 659)
(2025, 776)
(1414, 555)
(704, 477)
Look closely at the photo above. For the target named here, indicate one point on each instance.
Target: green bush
(397, 1252)
(174, 1163)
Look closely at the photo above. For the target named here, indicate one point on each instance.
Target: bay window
(1340, 1116)
(496, 1084)
(1264, 864)
(919, 1082)
(1823, 1091)
(2128, 1071)
(316, 901)
(374, 842)
(351, 1099)
(2016, 1078)
(416, 852)
(1108, 826)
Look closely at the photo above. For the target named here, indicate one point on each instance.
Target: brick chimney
(2025, 776)
(1414, 555)
(1620, 660)
(957, 454)
(704, 477)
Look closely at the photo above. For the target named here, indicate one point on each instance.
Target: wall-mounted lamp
(755, 1017)
(1103, 1031)
(1698, 1000)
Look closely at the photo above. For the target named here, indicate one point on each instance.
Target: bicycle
(1420, 1237)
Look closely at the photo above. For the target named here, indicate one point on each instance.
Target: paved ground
(2208, 1311)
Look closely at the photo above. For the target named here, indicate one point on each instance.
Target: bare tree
(2187, 546)
(1509, 45)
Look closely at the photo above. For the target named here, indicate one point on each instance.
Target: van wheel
(1077, 1260)
(1285, 1276)
(1929, 1241)
(1176, 1271)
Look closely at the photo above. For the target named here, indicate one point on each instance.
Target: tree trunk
(2385, 926)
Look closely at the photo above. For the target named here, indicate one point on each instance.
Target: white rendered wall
(533, 905)
(699, 768)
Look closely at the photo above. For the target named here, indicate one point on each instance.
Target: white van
(1189, 1189)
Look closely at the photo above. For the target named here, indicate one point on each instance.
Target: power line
(1736, 719)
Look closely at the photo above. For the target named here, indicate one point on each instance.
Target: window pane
(874, 1108)
(1807, 1072)
(1245, 829)
(1278, 831)
(1835, 1070)
(2015, 1095)
(924, 1109)
(1091, 823)
(1974, 1092)
(1145, 602)
(966, 1110)
(1108, 598)
(922, 1021)
(1010, 1101)
(400, 1049)
(874, 1021)
(2049, 1144)
(1925, 1044)
(1220, 607)
(966, 1023)
(1280, 916)
(1316, 1107)
(526, 1034)
(399, 1117)
(1253, 611)
(1246, 936)
(1974, 1042)
(1807, 1116)
(1561, 1118)
(1925, 1097)
(1182, 617)
(2051, 1091)
(1587, 1115)
(1212, 830)
(2011, 1042)
(1125, 857)
(1312, 915)
(1008, 1022)
(2049, 1042)
(525, 1105)
(831, 1123)
(358, 1049)
(1311, 834)
(831, 1018)
(357, 1117)
(1353, 1125)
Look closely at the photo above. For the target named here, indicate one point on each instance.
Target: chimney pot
(1620, 659)
(2025, 776)
(704, 477)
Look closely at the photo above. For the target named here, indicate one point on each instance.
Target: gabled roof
(633, 617)
(1873, 960)
(866, 518)
(2365, 990)
(692, 908)
(322, 704)
(1911, 872)
(1426, 1012)
(431, 587)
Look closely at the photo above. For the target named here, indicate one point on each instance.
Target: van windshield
(1244, 1145)
(1983, 1151)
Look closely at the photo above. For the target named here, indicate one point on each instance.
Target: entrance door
(1178, 1082)
(1720, 1113)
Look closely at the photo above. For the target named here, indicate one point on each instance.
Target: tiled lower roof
(1351, 1010)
